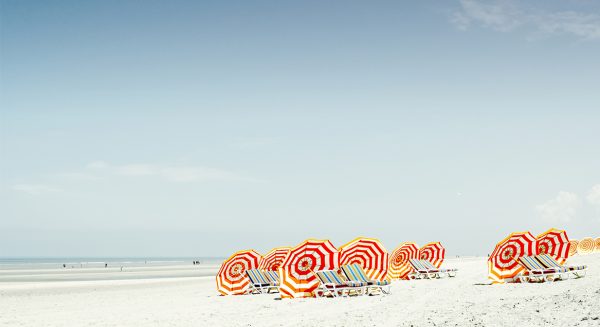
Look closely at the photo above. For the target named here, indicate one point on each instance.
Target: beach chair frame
(332, 284)
(259, 283)
(449, 272)
(355, 273)
(565, 271)
(421, 271)
(535, 271)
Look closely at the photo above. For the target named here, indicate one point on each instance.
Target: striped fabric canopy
(369, 253)
(274, 258)
(502, 263)
(573, 247)
(433, 252)
(555, 243)
(232, 278)
(586, 246)
(597, 244)
(399, 265)
(297, 272)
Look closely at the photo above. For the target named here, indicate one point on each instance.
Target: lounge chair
(422, 271)
(333, 284)
(535, 272)
(549, 262)
(450, 272)
(273, 276)
(259, 283)
(355, 273)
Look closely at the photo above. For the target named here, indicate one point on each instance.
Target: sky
(199, 128)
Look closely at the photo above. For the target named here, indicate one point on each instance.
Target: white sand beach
(180, 300)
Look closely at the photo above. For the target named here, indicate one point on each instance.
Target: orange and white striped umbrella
(597, 244)
(434, 252)
(369, 253)
(573, 247)
(586, 246)
(502, 263)
(555, 243)
(274, 258)
(399, 265)
(232, 278)
(297, 272)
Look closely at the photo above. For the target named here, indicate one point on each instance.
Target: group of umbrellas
(584, 246)
(503, 265)
(296, 266)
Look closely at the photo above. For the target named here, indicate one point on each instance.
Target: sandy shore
(176, 300)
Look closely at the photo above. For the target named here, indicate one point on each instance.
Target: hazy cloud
(506, 15)
(172, 173)
(35, 189)
(593, 196)
(563, 208)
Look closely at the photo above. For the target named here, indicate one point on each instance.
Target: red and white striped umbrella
(434, 252)
(297, 272)
(232, 278)
(586, 246)
(502, 263)
(555, 243)
(274, 258)
(369, 253)
(573, 247)
(399, 265)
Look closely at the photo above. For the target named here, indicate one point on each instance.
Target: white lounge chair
(450, 272)
(535, 272)
(565, 271)
(332, 284)
(422, 271)
(259, 283)
(355, 273)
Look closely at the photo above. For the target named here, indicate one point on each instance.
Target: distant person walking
(105, 265)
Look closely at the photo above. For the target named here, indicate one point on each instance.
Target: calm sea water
(100, 262)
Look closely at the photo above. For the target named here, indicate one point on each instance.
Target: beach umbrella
(573, 247)
(502, 263)
(232, 278)
(555, 243)
(586, 245)
(369, 253)
(399, 265)
(434, 252)
(274, 258)
(597, 245)
(297, 272)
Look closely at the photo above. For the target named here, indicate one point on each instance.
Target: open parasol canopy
(555, 243)
(369, 253)
(573, 247)
(597, 244)
(274, 258)
(297, 272)
(502, 263)
(586, 246)
(232, 278)
(434, 252)
(399, 265)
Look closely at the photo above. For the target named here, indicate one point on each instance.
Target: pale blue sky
(199, 128)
